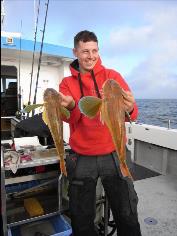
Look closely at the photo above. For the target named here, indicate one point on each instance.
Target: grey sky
(137, 38)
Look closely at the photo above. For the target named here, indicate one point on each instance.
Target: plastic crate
(11, 188)
(60, 226)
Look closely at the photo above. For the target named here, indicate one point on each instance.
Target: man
(93, 153)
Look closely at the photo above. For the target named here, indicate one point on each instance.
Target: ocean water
(157, 112)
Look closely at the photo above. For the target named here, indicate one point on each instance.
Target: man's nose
(90, 55)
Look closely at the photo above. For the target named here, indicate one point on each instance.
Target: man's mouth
(90, 63)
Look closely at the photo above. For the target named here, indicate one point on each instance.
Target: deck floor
(157, 206)
(158, 200)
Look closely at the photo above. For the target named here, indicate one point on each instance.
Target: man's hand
(67, 101)
(129, 100)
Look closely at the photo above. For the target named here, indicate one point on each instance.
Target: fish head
(52, 100)
(51, 95)
(111, 90)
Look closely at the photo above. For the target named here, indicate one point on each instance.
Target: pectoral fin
(29, 108)
(90, 106)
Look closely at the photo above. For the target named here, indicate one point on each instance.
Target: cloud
(155, 77)
(153, 45)
(155, 29)
(129, 39)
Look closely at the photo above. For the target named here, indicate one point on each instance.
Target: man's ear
(75, 52)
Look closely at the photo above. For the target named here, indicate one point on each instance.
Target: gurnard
(112, 113)
(52, 115)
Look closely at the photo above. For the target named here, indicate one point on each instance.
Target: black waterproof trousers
(83, 173)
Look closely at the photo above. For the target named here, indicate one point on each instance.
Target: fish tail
(63, 167)
(125, 170)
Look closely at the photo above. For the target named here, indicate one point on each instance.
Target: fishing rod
(40, 56)
(35, 34)
(19, 72)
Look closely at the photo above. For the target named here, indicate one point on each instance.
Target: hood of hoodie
(74, 68)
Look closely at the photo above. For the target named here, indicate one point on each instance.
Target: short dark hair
(85, 36)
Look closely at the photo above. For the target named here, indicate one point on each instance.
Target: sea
(157, 112)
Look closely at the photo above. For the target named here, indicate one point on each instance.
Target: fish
(112, 113)
(53, 113)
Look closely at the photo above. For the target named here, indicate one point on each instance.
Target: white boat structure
(155, 148)
(152, 150)
(16, 70)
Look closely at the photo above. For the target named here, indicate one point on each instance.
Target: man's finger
(127, 94)
(62, 95)
(124, 93)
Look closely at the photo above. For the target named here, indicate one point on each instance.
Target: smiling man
(87, 54)
(93, 152)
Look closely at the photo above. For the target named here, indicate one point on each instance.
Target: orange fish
(52, 116)
(111, 108)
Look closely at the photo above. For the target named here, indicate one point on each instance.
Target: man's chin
(89, 68)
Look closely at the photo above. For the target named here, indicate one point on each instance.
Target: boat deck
(157, 206)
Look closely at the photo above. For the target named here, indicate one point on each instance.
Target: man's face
(87, 55)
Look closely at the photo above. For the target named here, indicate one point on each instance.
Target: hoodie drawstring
(80, 84)
(95, 85)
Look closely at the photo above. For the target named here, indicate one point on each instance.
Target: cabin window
(9, 103)
(5, 83)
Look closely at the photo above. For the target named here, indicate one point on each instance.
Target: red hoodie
(90, 136)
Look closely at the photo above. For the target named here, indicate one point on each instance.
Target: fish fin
(29, 108)
(65, 113)
(90, 106)
(44, 117)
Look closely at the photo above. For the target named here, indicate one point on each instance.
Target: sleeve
(75, 112)
(134, 113)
